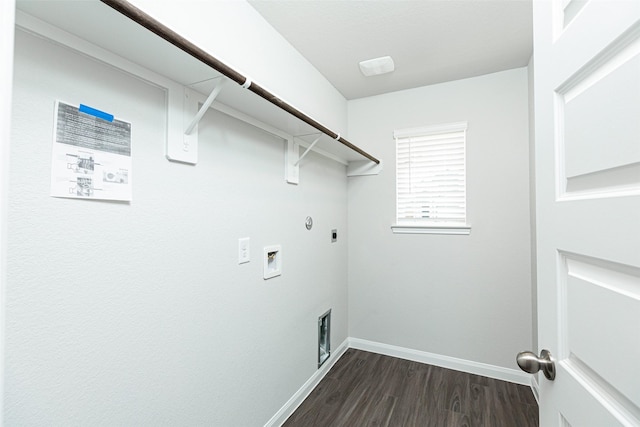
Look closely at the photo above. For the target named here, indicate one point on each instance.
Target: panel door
(587, 111)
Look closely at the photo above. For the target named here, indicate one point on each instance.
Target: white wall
(138, 313)
(7, 14)
(467, 297)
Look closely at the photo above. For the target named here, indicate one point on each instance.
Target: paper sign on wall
(91, 156)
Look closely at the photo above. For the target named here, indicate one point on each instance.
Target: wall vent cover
(324, 337)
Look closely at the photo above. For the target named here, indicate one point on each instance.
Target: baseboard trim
(478, 368)
(535, 388)
(292, 404)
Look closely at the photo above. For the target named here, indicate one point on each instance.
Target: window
(431, 180)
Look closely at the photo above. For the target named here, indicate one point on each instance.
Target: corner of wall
(532, 203)
(305, 390)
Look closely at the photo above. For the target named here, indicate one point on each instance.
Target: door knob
(531, 363)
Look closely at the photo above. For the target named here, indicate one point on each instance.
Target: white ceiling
(430, 41)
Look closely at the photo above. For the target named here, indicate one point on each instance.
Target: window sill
(431, 229)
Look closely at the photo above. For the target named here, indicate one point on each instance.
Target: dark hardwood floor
(368, 389)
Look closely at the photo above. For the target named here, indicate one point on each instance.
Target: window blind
(431, 175)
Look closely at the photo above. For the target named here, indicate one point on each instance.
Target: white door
(587, 112)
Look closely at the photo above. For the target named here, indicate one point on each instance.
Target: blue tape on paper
(97, 113)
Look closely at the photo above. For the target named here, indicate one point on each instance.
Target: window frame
(432, 227)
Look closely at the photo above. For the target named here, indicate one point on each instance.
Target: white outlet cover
(272, 261)
(244, 250)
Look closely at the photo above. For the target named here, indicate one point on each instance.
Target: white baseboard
(484, 369)
(535, 388)
(292, 404)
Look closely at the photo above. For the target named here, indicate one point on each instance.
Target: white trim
(469, 366)
(431, 176)
(431, 229)
(299, 396)
(430, 130)
(535, 388)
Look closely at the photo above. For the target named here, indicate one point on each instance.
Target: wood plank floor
(368, 389)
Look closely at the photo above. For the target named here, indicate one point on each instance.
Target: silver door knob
(531, 363)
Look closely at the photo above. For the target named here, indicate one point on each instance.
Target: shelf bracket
(180, 108)
(307, 150)
(363, 168)
(212, 96)
(291, 168)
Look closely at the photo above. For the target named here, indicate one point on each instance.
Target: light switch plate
(244, 250)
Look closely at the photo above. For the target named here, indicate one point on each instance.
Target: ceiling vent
(373, 67)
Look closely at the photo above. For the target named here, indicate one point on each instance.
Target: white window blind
(431, 175)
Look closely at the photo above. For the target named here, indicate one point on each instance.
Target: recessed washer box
(272, 261)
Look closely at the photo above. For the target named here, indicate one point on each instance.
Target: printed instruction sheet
(91, 156)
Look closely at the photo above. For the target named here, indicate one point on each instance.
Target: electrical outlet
(244, 252)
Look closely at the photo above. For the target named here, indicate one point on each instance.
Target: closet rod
(143, 19)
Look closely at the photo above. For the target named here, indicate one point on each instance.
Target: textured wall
(463, 296)
(138, 313)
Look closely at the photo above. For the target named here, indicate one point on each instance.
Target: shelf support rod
(212, 96)
(307, 150)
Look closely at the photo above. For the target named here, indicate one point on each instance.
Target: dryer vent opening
(324, 337)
